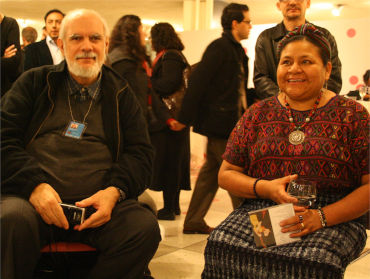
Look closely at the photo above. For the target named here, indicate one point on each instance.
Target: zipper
(118, 122)
(50, 110)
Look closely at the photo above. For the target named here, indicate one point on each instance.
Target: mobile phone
(76, 215)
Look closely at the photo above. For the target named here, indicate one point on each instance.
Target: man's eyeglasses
(247, 21)
(286, 1)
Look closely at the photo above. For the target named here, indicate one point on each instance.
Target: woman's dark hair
(311, 34)
(232, 12)
(164, 36)
(125, 35)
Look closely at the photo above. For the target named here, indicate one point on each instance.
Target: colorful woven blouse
(334, 153)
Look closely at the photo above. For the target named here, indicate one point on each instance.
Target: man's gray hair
(76, 13)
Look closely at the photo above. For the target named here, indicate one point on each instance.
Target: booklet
(266, 228)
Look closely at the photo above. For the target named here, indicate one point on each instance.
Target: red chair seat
(67, 247)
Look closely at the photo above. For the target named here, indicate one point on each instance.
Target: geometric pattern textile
(334, 154)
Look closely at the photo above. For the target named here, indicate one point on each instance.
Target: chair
(66, 260)
(74, 259)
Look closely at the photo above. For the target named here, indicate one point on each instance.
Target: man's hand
(103, 201)
(10, 51)
(46, 202)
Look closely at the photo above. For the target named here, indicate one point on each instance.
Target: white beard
(81, 71)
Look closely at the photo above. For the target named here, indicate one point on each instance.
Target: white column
(197, 14)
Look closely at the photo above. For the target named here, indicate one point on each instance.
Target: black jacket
(10, 67)
(37, 54)
(31, 100)
(266, 62)
(132, 70)
(210, 104)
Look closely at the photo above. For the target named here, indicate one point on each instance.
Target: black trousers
(125, 244)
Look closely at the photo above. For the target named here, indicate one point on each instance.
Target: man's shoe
(206, 230)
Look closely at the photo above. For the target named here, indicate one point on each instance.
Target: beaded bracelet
(322, 217)
(254, 187)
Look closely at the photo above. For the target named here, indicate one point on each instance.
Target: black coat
(211, 101)
(266, 62)
(132, 70)
(172, 158)
(37, 54)
(31, 100)
(10, 67)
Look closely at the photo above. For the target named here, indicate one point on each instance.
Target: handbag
(174, 101)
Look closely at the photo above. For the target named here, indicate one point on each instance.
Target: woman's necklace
(297, 135)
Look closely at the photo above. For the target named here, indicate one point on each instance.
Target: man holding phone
(75, 133)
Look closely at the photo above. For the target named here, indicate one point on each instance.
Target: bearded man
(74, 133)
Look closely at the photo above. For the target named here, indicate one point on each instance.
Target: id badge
(75, 130)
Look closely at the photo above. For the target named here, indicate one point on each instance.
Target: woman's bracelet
(254, 187)
(322, 217)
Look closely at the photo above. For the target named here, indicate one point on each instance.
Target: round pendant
(296, 137)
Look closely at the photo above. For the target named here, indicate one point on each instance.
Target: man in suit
(46, 52)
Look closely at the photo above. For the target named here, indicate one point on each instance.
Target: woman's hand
(302, 223)
(275, 189)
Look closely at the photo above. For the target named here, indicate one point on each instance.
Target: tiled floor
(180, 256)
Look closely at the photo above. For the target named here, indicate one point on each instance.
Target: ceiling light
(336, 11)
(322, 6)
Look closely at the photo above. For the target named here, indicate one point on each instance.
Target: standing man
(46, 52)
(266, 61)
(29, 36)
(75, 133)
(215, 100)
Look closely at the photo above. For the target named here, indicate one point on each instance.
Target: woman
(306, 131)
(172, 163)
(127, 55)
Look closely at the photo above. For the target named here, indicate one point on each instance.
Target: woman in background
(127, 55)
(172, 163)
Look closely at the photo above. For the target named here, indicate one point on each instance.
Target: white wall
(354, 52)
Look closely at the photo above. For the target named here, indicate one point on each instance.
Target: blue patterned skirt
(231, 252)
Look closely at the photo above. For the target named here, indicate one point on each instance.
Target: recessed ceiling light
(336, 11)
(322, 6)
